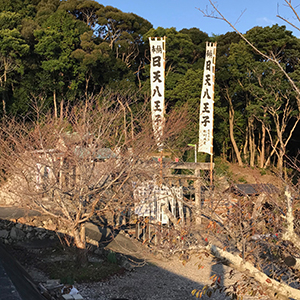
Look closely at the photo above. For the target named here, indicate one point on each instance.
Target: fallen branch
(272, 287)
(289, 234)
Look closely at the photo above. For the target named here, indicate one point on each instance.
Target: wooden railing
(196, 177)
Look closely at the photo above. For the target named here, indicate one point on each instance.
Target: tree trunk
(124, 119)
(289, 234)
(262, 152)
(231, 129)
(55, 104)
(61, 111)
(224, 148)
(270, 286)
(251, 142)
(87, 80)
(235, 147)
(245, 148)
(80, 243)
(3, 105)
(3, 85)
(271, 154)
(280, 161)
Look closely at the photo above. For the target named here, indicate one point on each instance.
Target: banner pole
(161, 167)
(211, 171)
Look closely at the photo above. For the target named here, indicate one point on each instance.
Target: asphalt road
(15, 282)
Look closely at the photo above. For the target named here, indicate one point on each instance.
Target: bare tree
(67, 171)
(231, 126)
(258, 236)
(254, 235)
(83, 166)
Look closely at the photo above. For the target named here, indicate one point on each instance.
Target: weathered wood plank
(180, 176)
(189, 165)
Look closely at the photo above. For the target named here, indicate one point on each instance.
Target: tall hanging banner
(207, 101)
(157, 77)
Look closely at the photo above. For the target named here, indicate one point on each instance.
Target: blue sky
(184, 13)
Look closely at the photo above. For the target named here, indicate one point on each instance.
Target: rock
(17, 234)
(4, 234)
(28, 235)
(93, 231)
(223, 183)
(49, 225)
(99, 251)
(67, 297)
(29, 228)
(94, 259)
(22, 220)
(39, 230)
(126, 264)
(42, 236)
(121, 242)
(20, 226)
(37, 223)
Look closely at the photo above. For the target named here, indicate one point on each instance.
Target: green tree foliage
(199, 39)
(44, 9)
(60, 51)
(12, 48)
(55, 43)
(23, 7)
(83, 10)
(270, 94)
(224, 81)
(123, 33)
(187, 94)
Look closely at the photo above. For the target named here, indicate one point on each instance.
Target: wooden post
(197, 186)
(137, 229)
(187, 216)
(197, 189)
(161, 168)
(211, 171)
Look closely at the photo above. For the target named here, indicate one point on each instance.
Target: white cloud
(265, 21)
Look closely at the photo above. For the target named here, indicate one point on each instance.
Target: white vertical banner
(207, 101)
(150, 197)
(157, 77)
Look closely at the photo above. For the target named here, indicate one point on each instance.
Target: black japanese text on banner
(207, 101)
(157, 77)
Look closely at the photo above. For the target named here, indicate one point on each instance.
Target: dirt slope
(252, 175)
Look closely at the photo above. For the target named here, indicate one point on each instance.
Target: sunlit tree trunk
(235, 147)
(80, 243)
(231, 129)
(263, 146)
(61, 110)
(251, 142)
(245, 148)
(55, 104)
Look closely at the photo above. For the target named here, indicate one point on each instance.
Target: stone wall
(29, 228)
